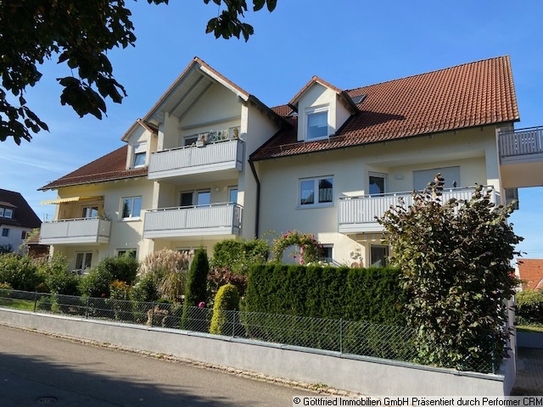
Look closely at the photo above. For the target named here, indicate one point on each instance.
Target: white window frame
(330, 259)
(140, 150)
(230, 191)
(89, 208)
(8, 213)
(381, 175)
(383, 247)
(5, 232)
(132, 200)
(316, 196)
(85, 262)
(1, 212)
(195, 195)
(314, 111)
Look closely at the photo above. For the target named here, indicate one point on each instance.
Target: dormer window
(317, 123)
(6, 213)
(140, 155)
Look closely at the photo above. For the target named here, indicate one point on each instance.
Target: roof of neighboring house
(469, 95)
(110, 167)
(23, 215)
(531, 273)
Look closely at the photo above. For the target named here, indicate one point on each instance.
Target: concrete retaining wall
(359, 374)
(530, 340)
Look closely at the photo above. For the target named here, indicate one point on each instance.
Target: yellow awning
(61, 200)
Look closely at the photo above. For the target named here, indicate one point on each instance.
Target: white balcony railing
(224, 155)
(217, 219)
(521, 142)
(357, 214)
(75, 231)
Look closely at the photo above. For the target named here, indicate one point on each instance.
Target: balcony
(224, 158)
(357, 214)
(75, 231)
(521, 157)
(210, 220)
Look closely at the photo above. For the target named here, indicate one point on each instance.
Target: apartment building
(210, 161)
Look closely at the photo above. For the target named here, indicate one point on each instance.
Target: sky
(348, 43)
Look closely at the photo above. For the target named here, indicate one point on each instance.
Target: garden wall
(365, 375)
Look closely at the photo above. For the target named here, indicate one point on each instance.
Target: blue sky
(349, 43)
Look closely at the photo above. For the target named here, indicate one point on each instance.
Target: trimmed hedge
(357, 294)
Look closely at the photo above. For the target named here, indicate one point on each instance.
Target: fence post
(87, 308)
(35, 300)
(341, 335)
(234, 323)
(152, 314)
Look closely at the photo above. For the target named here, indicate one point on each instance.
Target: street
(37, 369)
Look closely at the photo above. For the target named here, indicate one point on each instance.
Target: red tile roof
(468, 95)
(110, 167)
(531, 273)
(23, 215)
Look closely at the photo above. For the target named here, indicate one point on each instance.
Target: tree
(78, 34)
(455, 257)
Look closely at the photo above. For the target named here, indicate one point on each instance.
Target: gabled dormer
(322, 109)
(142, 141)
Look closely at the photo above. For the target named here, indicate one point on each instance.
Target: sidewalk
(529, 373)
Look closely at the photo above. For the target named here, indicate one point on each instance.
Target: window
(83, 261)
(1, 212)
(5, 232)
(89, 212)
(140, 152)
(190, 140)
(233, 195)
(378, 255)
(128, 252)
(317, 123)
(24, 234)
(6, 213)
(131, 207)
(196, 198)
(316, 191)
(327, 253)
(377, 184)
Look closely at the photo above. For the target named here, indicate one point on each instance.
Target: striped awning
(61, 200)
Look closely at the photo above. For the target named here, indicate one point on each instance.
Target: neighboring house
(209, 161)
(530, 271)
(17, 220)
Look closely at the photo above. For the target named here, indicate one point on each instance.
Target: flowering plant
(310, 248)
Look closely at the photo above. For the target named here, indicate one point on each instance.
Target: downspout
(257, 214)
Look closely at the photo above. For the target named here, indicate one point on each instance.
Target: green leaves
(456, 262)
(78, 34)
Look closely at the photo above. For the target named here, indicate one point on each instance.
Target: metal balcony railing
(75, 231)
(521, 142)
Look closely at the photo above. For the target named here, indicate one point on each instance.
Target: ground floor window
(130, 252)
(327, 253)
(5, 232)
(83, 261)
(378, 255)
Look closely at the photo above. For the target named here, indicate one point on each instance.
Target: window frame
(315, 192)
(386, 250)
(380, 175)
(5, 232)
(84, 263)
(317, 110)
(195, 197)
(140, 150)
(230, 191)
(132, 199)
(120, 252)
(8, 213)
(91, 208)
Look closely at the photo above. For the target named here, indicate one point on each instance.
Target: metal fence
(347, 337)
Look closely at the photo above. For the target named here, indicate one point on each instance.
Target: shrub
(195, 291)
(168, 270)
(219, 276)
(20, 272)
(456, 262)
(123, 268)
(238, 255)
(227, 299)
(529, 307)
(96, 283)
(57, 278)
(145, 290)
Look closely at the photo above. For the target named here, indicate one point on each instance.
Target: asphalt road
(37, 369)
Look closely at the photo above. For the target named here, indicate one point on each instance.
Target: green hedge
(357, 294)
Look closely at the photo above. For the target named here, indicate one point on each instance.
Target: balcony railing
(75, 231)
(219, 156)
(521, 142)
(210, 220)
(357, 214)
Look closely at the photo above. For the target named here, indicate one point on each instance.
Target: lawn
(23, 305)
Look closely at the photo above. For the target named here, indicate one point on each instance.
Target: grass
(23, 305)
(530, 328)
